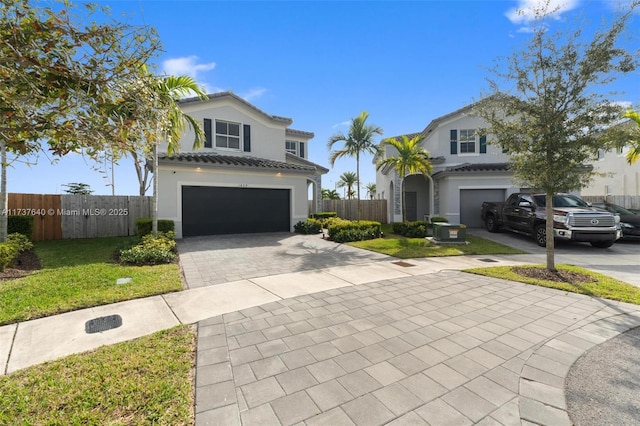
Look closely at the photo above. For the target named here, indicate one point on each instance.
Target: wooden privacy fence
(80, 216)
(348, 209)
(626, 201)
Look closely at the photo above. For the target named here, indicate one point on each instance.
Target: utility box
(447, 232)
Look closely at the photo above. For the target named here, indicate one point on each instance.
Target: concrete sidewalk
(36, 341)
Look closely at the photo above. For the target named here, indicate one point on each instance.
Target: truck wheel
(540, 234)
(491, 224)
(602, 244)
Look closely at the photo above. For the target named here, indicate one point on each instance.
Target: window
(467, 141)
(295, 148)
(227, 135)
(292, 147)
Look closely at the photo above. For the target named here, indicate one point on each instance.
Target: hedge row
(16, 244)
(144, 225)
(21, 225)
(417, 228)
(343, 231)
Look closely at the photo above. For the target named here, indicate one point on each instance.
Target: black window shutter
(302, 149)
(207, 133)
(247, 137)
(454, 141)
(483, 144)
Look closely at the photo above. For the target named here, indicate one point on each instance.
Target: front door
(411, 205)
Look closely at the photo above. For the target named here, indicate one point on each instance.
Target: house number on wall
(243, 185)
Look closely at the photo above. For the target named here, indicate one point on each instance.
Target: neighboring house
(252, 175)
(466, 172)
(617, 176)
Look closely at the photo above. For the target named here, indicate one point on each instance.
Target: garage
(471, 201)
(223, 210)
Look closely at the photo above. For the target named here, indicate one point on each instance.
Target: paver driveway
(219, 259)
(431, 348)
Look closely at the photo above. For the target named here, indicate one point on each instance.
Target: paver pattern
(220, 259)
(441, 348)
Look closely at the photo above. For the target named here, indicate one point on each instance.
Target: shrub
(144, 225)
(309, 226)
(16, 244)
(20, 224)
(151, 250)
(325, 218)
(439, 219)
(415, 229)
(342, 231)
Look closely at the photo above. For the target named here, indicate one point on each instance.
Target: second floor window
(227, 135)
(295, 148)
(467, 141)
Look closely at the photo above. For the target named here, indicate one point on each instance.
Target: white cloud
(186, 65)
(527, 10)
(253, 94)
(344, 123)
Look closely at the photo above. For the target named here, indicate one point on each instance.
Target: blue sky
(322, 63)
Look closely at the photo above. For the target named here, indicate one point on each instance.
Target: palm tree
(411, 158)
(330, 194)
(371, 190)
(634, 152)
(358, 140)
(348, 179)
(167, 90)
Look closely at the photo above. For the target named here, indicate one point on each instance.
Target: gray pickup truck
(573, 219)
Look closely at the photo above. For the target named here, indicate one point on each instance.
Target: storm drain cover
(100, 324)
(403, 264)
(488, 260)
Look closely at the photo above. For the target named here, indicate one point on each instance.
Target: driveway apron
(218, 259)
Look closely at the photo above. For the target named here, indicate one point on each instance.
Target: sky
(322, 63)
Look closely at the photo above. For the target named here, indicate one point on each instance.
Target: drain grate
(403, 264)
(487, 260)
(100, 324)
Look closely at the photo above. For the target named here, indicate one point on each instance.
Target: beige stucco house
(252, 175)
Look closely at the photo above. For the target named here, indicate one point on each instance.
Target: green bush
(151, 250)
(16, 244)
(342, 231)
(439, 219)
(324, 215)
(325, 218)
(144, 225)
(310, 226)
(20, 224)
(415, 229)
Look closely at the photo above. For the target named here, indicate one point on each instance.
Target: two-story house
(466, 172)
(252, 175)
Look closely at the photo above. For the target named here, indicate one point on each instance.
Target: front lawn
(409, 248)
(143, 381)
(79, 274)
(575, 280)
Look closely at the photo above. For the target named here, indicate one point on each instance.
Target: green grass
(410, 248)
(79, 274)
(603, 286)
(144, 381)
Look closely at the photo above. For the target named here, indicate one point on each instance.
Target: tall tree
(411, 158)
(634, 152)
(57, 76)
(371, 190)
(78, 188)
(551, 110)
(359, 140)
(348, 180)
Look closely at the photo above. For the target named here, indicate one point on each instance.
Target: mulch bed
(26, 263)
(559, 276)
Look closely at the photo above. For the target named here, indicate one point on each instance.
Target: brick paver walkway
(444, 348)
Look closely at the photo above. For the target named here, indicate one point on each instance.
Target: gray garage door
(218, 210)
(471, 201)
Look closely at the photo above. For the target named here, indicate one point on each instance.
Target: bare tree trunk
(4, 198)
(154, 204)
(549, 233)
